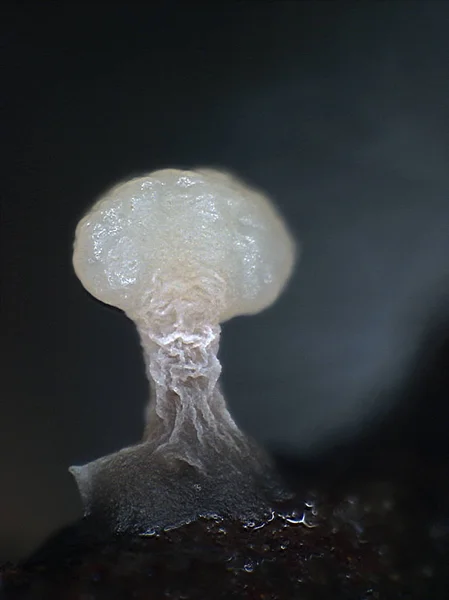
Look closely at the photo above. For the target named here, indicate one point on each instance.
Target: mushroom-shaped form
(181, 252)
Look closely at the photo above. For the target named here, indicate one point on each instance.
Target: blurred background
(339, 110)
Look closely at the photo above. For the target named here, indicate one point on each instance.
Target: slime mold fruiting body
(180, 252)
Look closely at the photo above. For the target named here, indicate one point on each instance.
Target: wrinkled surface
(202, 238)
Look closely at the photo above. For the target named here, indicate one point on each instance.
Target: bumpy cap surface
(199, 237)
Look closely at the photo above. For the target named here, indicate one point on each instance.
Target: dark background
(339, 110)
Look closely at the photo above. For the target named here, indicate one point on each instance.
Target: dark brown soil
(367, 546)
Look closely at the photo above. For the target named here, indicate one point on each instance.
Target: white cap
(201, 240)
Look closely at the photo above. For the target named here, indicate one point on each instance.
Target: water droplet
(149, 533)
(295, 519)
(217, 518)
(249, 566)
